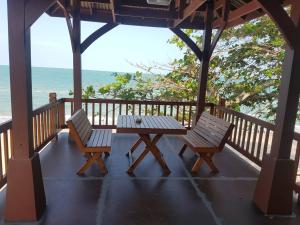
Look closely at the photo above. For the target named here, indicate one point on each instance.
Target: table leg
(150, 147)
(154, 150)
(134, 146)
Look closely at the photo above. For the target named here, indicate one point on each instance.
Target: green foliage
(245, 69)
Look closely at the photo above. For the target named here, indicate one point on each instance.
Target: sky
(51, 46)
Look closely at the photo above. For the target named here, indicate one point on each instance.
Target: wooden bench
(206, 138)
(92, 142)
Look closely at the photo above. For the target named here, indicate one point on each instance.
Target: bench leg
(210, 163)
(95, 157)
(299, 199)
(207, 158)
(197, 165)
(182, 149)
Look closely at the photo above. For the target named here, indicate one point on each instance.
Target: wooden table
(157, 125)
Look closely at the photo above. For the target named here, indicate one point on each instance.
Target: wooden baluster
(140, 109)
(171, 110)
(1, 161)
(235, 130)
(86, 109)
(35, 132)
(152, 110)
(100, 113)
(240, 130)
(254, 140)
(106, 116)
(165, 110)
(5, 148)
(39, 132)
(11, 142)
(261, 131)
(231, 119)
(113, 114)
(72, 108)
(249, 136)
(93, 113)
(244, 133)
(126, 109)
(158, 110)
(183, 115)
(146, 109)
(297, 159)
(266, 144)
(133, 109)
(177, 113)
(43, 127)
(120, 109)
(190, 117)
(48, 122)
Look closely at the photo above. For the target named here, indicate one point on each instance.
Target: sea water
(46, 80)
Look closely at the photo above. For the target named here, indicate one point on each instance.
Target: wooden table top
(149, 125)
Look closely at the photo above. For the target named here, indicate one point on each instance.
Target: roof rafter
(188, 11)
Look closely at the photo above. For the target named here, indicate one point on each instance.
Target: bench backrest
(80, 128)
(213, 129)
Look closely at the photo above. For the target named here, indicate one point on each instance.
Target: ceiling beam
(188, 11)
(145, 12)
(238, 13)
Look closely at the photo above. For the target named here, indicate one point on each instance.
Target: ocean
(46, 80)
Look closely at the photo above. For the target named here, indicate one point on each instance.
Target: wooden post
(25, 196)
(274, 190)
(76, 35)
(222, 103)
(205, 61)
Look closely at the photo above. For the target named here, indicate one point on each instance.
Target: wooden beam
(146, 12)
(76, 34)
(35, 8)
(275, 10)
(238, 13)
(203, 75)
(192, 7)
(181, 6)
(97, 34)
(69, 23)
(189, 42)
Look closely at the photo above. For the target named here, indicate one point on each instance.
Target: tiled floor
(148, 197)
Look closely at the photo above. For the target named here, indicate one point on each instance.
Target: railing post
(222, 103)
(61, 114)
(53, 114)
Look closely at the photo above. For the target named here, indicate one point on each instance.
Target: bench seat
(92, 142)
(100, 138)
(206, 138)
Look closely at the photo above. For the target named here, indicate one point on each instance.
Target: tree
(245, 69)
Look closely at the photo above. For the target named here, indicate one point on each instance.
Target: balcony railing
(104, 112)
(46, 121)
(251, 137)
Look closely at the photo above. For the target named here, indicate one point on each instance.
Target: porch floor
(148, 198)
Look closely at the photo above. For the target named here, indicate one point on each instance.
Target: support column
(274, 190)
(205, 60)
(25, 197)
(76, 36)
